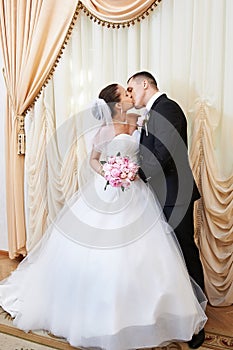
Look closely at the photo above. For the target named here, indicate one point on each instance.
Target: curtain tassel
(21, 136)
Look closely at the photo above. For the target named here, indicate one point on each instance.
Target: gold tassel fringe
(116, 25)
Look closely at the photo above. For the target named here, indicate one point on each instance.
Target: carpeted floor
(8, 342)
(12, 338)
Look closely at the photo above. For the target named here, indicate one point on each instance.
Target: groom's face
(137, 91)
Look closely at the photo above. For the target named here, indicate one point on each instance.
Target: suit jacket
(164, 154)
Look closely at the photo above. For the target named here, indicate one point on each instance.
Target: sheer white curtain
(3, 217)
(187, 46)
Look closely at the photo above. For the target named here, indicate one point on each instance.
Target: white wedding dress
(108, 272)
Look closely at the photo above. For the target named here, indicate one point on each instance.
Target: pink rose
(116, 165)
(132, 166)
(111, 160)
(131, 176)
(107, 167)
(126, 160)
(119, 161)
(115, 182)
(107, 175)
(115, 172)
(123, 175)
(124, 169)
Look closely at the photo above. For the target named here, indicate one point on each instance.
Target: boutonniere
(146, 125)
(143, 121)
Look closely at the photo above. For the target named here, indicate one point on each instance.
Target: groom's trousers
(185, 234)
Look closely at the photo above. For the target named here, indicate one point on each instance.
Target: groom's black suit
(164, 162)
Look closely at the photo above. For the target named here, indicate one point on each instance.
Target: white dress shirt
(152, 100)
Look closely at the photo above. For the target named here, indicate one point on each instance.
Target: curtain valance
(117, 14)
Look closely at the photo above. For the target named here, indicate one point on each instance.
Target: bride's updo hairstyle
(111, 95)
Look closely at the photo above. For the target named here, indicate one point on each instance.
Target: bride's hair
(103, 110)
(111, 95)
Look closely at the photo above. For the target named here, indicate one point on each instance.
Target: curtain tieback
(21, 136)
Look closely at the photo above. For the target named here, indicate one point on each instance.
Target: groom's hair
(144, 74)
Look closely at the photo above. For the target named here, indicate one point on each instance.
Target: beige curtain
(211, 142)
(214, 211)
(122, 11)
(32, 33)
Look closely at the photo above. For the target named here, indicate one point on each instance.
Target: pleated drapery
(32, 34)
(214, 212)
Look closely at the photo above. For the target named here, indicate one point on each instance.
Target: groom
(165, 166)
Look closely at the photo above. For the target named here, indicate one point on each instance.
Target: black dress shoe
(197, 340)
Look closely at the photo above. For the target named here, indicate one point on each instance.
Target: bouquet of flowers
(119, 171)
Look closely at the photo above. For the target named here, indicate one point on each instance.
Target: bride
(108, 273)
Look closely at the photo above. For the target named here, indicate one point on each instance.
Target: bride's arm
(95, 162)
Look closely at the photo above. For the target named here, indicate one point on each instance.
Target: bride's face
(126, 99)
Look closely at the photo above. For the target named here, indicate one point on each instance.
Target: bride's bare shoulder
(105, 133)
